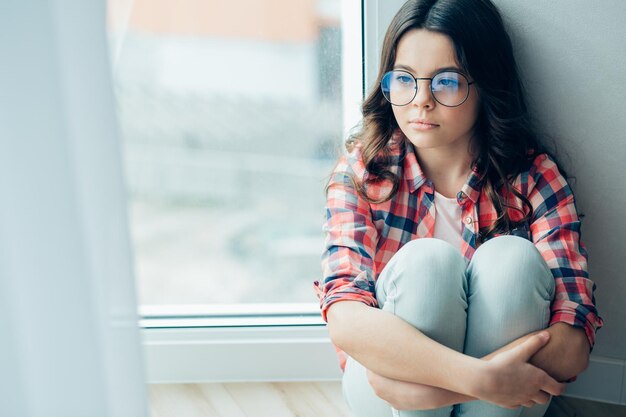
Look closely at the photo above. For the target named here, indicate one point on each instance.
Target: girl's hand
(510, 381)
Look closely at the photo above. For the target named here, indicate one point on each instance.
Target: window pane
(231, 114)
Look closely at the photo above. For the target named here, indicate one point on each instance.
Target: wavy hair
(504, 143)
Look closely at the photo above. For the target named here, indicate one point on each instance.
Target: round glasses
(449, 88)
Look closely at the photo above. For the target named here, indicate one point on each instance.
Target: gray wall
(573, 62)
(572, 58)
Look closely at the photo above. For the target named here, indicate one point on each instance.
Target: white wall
(69, 337)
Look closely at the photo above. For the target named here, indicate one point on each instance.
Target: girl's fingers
(552, 387)
(541, 398)
(527, 349)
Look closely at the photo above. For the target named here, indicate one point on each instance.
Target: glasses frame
(432, 93)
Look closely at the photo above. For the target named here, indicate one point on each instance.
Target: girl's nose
(424, 97)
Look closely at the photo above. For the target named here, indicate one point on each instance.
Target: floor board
(302, 399)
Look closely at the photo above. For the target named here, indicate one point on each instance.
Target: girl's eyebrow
(406, 67)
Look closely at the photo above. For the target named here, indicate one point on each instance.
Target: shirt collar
(413, 173)
(472, 186)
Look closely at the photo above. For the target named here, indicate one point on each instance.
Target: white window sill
(229, 315)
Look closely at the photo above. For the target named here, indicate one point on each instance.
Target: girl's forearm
(445, 397)
(422, 396)
(393, 348)
(411, 396)
(441, 397)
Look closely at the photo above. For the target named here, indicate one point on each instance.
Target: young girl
(452, 236)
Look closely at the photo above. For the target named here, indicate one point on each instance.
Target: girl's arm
(567, 354)
(556, 232)
(412, 396)
(389, 346)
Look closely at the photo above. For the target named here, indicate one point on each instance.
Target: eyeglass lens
(448, 88)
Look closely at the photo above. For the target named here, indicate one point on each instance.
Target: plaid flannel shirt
(362, 237)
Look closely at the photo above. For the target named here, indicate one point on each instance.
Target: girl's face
(424, 121)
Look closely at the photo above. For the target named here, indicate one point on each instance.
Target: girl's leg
(425, 284)
(510, 291)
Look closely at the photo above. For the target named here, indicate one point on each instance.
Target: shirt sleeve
(350, 244)
(555, 229)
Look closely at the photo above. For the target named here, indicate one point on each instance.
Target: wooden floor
(302, 399)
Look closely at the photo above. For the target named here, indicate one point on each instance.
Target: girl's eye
(447, 83)
(404, 79)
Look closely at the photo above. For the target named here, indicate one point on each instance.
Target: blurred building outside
(231, 119)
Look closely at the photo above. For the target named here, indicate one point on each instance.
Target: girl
(455, 282)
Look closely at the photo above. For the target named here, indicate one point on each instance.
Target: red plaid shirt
(361, 237)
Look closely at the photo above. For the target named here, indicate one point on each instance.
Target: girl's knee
(507, 245)
(426, 285)
(421, 264)
(426, 251)
(510, 263)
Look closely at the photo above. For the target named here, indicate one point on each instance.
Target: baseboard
(186, 355)
(604, 380)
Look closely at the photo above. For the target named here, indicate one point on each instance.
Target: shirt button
(468, 220)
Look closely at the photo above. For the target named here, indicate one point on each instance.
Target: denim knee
(425, 248)
(425, 284)
(421, 267)
(510, 292)
(511, 265)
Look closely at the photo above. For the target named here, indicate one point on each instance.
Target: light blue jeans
(504, 293)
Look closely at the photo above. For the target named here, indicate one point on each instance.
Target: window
(232, 115)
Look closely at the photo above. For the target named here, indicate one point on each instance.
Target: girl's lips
(422, 125)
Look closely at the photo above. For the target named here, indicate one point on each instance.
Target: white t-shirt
(448, 225)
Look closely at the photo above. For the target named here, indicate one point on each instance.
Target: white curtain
(69, 341)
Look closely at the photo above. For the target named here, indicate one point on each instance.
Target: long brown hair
(504, 143)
